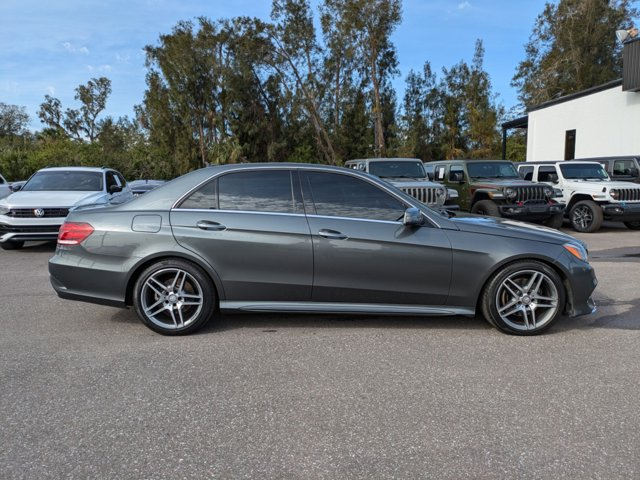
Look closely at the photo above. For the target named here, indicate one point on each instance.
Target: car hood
(468, 222)
(411, 182)
(52, 199)
(510, 182)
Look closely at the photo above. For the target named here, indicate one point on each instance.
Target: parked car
(315, 239)
(408, 175)
(590, 194)
(140, 187)
(494, 188)
(624, 169)
(4, 187)
(37, 209)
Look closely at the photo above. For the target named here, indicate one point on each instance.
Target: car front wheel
(523, 298)
(486, 207)
(633, 225)
(586, 216)
(174, 297)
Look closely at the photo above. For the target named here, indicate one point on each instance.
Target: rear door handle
(206, 225)
(332, 234)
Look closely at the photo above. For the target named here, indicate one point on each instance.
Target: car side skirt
(351, 308)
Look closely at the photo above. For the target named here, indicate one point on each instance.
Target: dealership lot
(89, 392)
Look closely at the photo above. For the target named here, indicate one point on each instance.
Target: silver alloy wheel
(171, 298)
(527, 300)
(582, 216)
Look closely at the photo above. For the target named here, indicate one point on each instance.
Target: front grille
(628, 194)
(424, 194)
(526, 194)
(31, 212)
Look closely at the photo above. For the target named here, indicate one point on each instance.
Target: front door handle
(206, 225)
(332, 234)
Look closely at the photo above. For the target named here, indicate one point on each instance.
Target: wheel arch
(578, 197)
(555, 266)
(160, 256)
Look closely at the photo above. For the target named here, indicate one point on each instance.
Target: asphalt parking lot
(88, 392)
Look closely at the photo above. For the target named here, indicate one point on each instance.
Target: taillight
(74, 233)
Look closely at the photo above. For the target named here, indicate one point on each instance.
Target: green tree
(572, 47)
(82, 123)
(13, 120)
(369, 24)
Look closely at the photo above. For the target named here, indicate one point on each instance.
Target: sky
(50, 47)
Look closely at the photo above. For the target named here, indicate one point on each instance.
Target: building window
(570, 144)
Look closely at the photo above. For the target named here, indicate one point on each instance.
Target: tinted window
(624, 167)
(547, 174)
(264, 191)
(492, 170)
(583, 171)
(206, 197)
(337, 195)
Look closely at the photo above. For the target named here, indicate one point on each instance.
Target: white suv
(591, 196)
(39, 207)
(4, 187)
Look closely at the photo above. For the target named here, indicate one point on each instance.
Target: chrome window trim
(250, 212)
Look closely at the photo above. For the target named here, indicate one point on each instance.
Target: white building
(602, 121)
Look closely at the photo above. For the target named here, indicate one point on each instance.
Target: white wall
(607, 123)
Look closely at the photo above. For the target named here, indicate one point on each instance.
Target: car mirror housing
(115, 189)
(413, 217)
(15, 188)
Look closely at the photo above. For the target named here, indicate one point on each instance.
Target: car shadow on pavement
(607, 317)
(270, 322)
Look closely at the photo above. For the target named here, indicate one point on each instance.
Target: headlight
(615, 194)
(4, 210)
(548, 192)
(577, 251)
(510, 192)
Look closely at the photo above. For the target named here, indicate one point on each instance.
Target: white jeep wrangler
(591, 196)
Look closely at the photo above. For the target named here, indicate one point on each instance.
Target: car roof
(398, 159)
(555, 162)
(74, 169)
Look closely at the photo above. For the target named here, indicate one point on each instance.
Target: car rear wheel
(523, 298)
(554, 221)
(174, 297)
(586, 216)
(486, 207)
(12, 245)
(633, 225)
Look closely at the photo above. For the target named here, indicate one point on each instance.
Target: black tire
(174, 297)
(635, 225)
(586, 216)
(555, 221)
(523, 298)
(486, 207)
(12, 245)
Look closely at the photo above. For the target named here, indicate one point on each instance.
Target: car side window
(547, 174)
(121, 179)
(111, 180)
(204, 198)
(337, 195)
(264, 191)
(456, 174)
(526, 172)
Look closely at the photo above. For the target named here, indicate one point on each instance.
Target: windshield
(492, 170)
(65, 181)
(393, 169)
(583, 171)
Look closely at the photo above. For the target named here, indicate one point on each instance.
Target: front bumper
(29, 232)
(622, 211)
(531, 210)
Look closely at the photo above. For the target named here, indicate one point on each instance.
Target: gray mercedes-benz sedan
(316, 239)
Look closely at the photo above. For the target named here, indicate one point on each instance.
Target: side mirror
(553, 178)
(412, 217)
(115, 189)
(15, 188)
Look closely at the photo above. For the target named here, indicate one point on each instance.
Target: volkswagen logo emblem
(39, 212)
